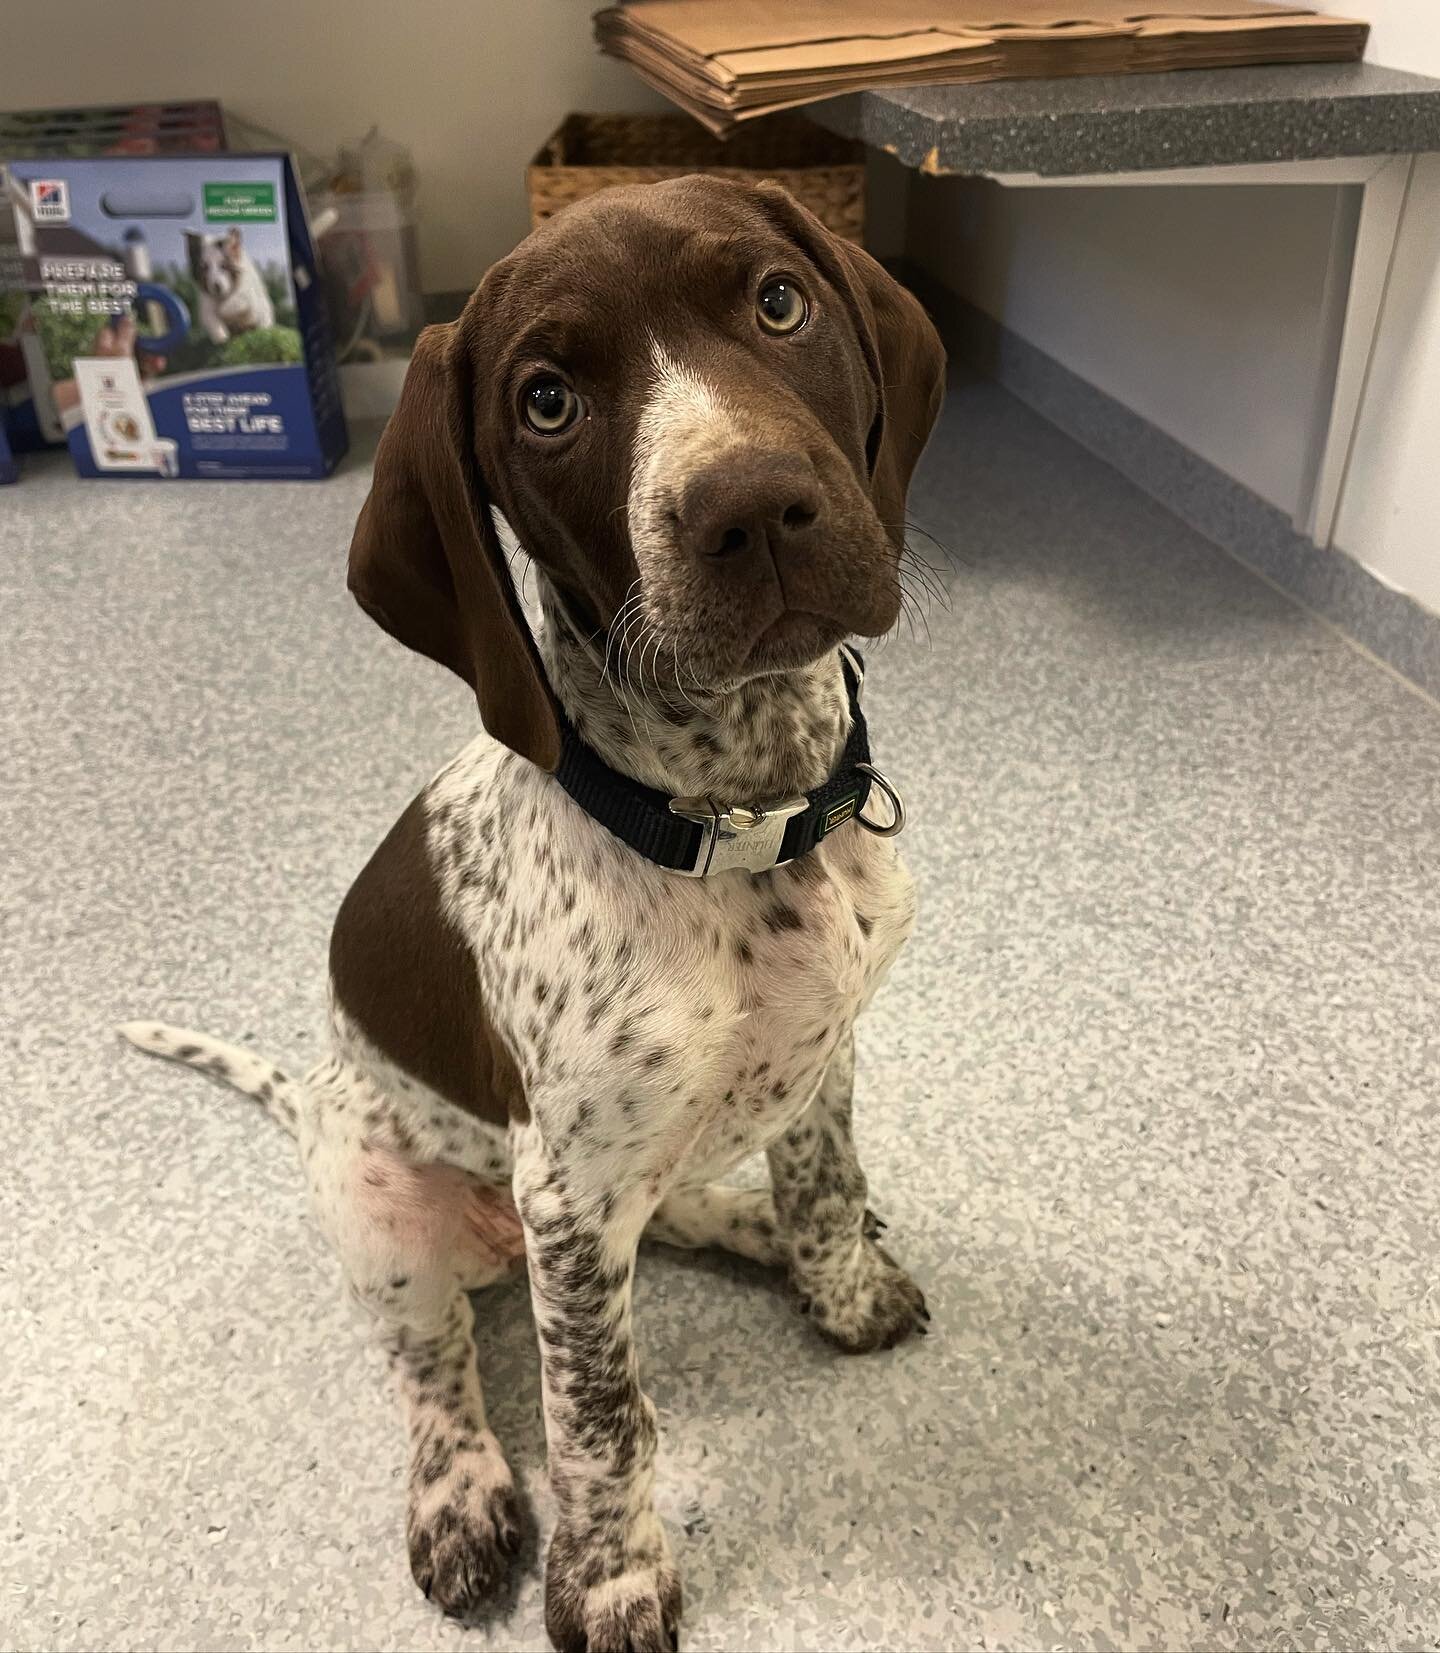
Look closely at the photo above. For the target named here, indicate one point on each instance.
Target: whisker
(650, 632)
(907, 608)
(632, 615)
(928, 578)
(913, 608)
(625, 663)
(637, 638)
(616, 629)
(910, 579)
(921, 599)
(679, 688)
(925, 570)
(525, 573)
(659, 642)
(919, 528)
(947, 552)
(625, 653)
(618, 618)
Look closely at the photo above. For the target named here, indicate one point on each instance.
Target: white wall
(1200, 309)
(472, 86)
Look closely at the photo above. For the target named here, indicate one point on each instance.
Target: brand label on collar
(839, 813)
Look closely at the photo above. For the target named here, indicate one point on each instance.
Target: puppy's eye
(781, 306)
(550, 405)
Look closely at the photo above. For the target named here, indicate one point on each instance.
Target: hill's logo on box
(50, 201)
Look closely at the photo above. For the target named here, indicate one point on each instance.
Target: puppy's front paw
(464, 1523)
(607, 1593)
(868, 1303)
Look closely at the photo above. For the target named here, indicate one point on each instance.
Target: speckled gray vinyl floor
(1151, 1105)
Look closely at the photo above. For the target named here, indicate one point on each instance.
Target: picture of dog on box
(232, 294)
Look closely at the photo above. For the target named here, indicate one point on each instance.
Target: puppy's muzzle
(749, 509)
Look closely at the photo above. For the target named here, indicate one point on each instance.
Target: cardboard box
(176, 327)
(184, 128)
(731, 60)
(23, 421)
(188, 128)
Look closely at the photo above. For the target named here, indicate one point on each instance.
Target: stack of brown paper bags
(729, 60)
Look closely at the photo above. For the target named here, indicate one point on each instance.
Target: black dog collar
(700, 836)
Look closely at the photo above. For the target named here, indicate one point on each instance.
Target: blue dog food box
(20, 421)
(8, 471)
(174, 323)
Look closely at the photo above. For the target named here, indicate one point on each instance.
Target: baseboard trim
(1389, 625)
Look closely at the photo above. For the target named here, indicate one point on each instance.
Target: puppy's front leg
(857, 1294)
(610, 1585)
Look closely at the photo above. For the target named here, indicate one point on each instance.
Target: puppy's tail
(281, 1096)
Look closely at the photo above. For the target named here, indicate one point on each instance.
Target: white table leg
(1361, 287)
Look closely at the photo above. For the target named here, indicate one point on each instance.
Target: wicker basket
(594, 152)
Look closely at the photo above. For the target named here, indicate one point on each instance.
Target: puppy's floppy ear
(902, 350)
(426, 562)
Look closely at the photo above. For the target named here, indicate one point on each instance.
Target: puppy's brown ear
(902, 349)
(426, 562)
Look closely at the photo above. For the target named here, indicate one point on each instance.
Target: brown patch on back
(404, 975)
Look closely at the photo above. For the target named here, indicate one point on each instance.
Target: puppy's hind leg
(462, 1519)
(413, 1240)
(740, 1220)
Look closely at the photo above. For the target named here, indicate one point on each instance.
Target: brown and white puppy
(699, 412)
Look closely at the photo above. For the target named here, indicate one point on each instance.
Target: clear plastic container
(370, 259)
(362, 214)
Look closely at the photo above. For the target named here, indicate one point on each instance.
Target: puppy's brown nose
(742, 507)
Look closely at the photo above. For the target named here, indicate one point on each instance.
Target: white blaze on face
(215, 275)
(684, 425)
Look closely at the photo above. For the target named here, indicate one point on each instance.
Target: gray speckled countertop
(1150, 1105)
(1132, 123)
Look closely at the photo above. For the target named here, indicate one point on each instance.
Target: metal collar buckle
(745, 836)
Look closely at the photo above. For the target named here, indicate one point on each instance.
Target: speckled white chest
(677, 1025)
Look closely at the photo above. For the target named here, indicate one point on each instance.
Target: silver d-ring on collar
(897, 803)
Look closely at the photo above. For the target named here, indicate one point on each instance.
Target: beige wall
(472, 86)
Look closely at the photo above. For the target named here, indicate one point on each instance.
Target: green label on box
(239, 203)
